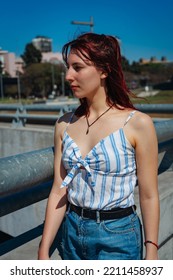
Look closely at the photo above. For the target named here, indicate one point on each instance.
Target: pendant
(95, 119)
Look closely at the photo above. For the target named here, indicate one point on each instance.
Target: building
(52, 57)
(153, 59)
(42, 43)
(10, 63)
(2, 59)
(13, 65)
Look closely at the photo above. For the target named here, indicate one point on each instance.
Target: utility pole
(1, 79)
(18, 86)
(62, 83)
(90, 23)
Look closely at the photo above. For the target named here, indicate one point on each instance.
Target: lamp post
(1, 81)
(18, 86)
(62, 83)
(53, 76)
(1, 78)
(90, 23)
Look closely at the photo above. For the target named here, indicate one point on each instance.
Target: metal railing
(23, 115)
(27, 178)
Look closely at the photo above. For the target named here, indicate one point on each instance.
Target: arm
(147, 167)
(57, 201)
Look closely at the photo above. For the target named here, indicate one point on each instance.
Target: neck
(96, 107)
(97, 118)
(97, 100)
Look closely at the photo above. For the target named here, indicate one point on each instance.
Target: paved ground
(148, 93)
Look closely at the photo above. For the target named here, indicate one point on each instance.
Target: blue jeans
(85, 239)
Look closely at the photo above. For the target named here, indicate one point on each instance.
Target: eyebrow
(75, 64)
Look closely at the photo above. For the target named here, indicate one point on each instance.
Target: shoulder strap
(71, 117)
(129, 117)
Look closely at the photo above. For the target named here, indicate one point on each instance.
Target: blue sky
(144, 27)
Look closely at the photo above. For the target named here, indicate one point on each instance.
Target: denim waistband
(115, 213)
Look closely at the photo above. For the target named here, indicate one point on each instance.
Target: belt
(115, 213)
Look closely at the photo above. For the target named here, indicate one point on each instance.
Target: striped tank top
(106, 177)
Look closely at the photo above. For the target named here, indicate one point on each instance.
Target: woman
(101, 152)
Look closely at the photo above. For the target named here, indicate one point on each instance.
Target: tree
(39, 78)
(31, 55)
(125, 64)
(135, 68)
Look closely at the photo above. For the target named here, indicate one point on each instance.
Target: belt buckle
(82, 213)
(97, 216)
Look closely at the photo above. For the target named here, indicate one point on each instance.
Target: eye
(77, 68)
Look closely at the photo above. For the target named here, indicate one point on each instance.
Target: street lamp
(1, 81)
(53, 76)
(90, 23)
(62, 83)
(18, 86)
(1, 78)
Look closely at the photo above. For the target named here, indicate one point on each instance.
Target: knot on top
(80, 164)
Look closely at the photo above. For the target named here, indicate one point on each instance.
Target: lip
(74, 87)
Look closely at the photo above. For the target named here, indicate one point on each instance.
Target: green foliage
(10, 90)
(151, 73)
(39, 78)
(11, 100)
(31, 55)
(153, 68)
(135, 68)
(162, 97)
(125, 64)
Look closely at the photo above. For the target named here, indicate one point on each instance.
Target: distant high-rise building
(42, 43)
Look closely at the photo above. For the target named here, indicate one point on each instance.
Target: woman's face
(84, 78)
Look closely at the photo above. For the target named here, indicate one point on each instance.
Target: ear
(103, 75)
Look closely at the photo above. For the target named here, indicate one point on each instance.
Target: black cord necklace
(88, 125)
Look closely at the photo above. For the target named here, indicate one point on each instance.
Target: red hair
(104, 52)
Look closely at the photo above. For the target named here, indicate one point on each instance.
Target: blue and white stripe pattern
(106, 177)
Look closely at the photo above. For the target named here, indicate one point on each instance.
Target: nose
(69, 75)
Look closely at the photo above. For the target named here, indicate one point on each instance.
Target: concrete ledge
(20, 140)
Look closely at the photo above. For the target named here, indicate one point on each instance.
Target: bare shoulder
(65, 118)
(62, 123)
(142, 121)
(143, 127)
